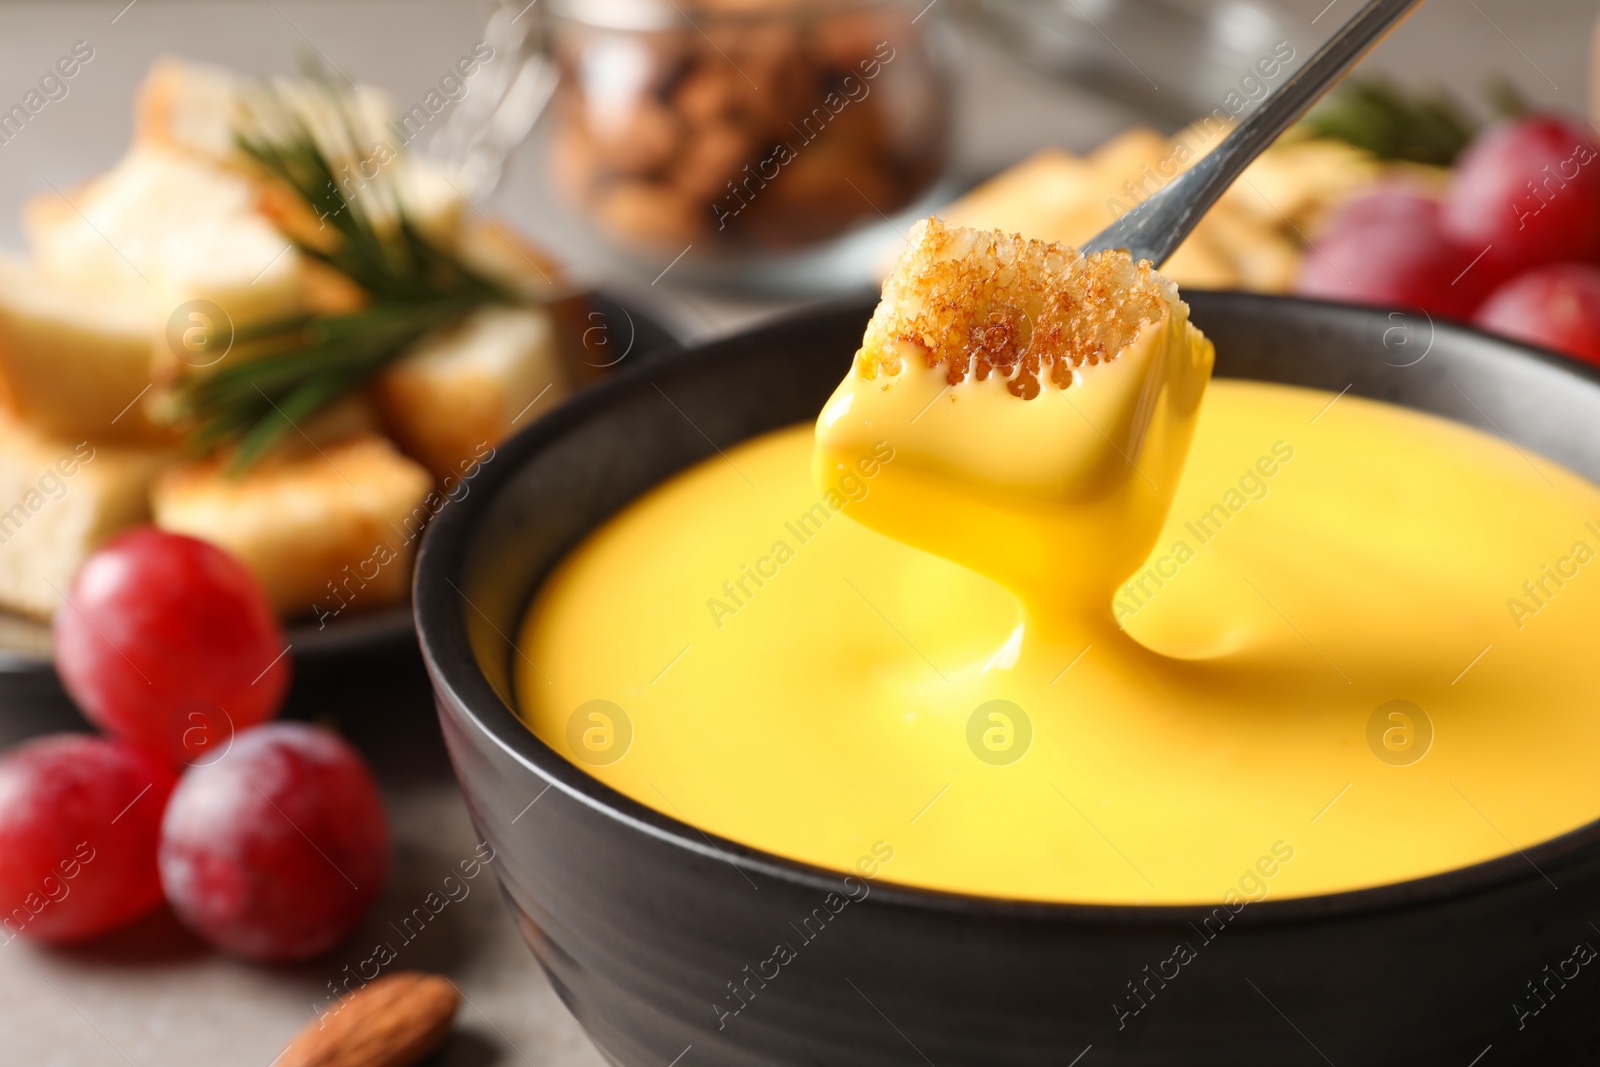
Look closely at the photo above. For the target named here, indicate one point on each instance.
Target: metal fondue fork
(1155, 228)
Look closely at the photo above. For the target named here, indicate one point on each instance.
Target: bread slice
(328, 532)
(463, 390)
(76, 359)
(59, 498)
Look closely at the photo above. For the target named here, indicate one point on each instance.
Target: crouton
(187, 107)
(1025, 405)
(464, 389)
(75, 359)
(495, 250)
(59, 498)
(326, 530)
(1052, 196)
(171, 241)
(195, 109)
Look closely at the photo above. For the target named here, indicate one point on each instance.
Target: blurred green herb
(1506, 100)
(1393, 125)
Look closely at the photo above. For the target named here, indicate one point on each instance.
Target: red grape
(169, 643)
(1529, 191)
(1386, 203)
(1388, 248)
(79, 821)
(276, 851)
(1554, 307)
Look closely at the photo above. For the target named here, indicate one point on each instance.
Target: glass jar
(744, 126)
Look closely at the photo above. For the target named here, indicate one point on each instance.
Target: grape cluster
(268, 839)
(1513, 245)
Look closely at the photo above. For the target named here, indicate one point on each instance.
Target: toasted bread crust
(315, 527)
(982, 302)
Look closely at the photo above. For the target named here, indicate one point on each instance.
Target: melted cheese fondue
(1037, 655)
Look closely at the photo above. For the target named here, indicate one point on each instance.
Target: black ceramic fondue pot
(656, 934)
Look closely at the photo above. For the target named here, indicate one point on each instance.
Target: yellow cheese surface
(1360, 651)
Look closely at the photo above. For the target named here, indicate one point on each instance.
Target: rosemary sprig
(1394, 125)
(292, 368)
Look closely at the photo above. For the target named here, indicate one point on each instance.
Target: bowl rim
(460, 684)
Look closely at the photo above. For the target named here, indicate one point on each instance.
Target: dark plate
(643, 921)
(599, 335)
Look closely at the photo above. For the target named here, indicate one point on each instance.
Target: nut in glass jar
(744, 125)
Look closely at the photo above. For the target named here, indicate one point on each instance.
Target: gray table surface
(154, 995)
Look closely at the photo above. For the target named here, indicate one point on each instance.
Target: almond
(392, 1022)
